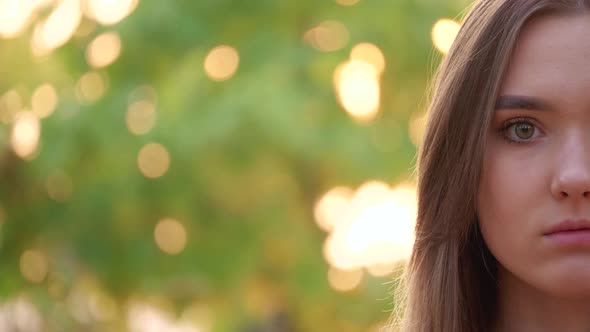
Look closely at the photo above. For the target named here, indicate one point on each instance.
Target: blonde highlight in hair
(449, 283)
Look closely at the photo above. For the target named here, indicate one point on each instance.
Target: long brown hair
(449, 283)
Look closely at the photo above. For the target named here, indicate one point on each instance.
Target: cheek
(508, 198)
(514, 204)
(502, 192)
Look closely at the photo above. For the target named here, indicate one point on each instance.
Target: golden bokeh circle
(33, 266)
(170, 236)
(222, 62)
(153, 160)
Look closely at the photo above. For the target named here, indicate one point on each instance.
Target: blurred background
(210, 165)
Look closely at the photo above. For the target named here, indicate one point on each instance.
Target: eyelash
(512, 122)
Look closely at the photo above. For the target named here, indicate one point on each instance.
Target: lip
(570, 225)
(570, 232)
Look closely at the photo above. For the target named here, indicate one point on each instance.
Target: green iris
(524, 130)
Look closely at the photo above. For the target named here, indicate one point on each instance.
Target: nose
(571, 179)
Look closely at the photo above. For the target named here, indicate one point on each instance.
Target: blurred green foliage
(250, 156)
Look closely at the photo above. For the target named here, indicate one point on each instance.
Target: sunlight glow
(357, 86)
(444, 32)
(26, 132)
(370, 54)
(101, 306)
(38, 46)
(10, 104)
(33, 266)
(14, 15)
(381, 270)
(328, 36)
(200, 314)
(222, 63)
(417, 127)
(153, 160)
(61, 24)
(91, 87)
(20, 314)
(109, 12)
(88, 302)
(148, 318)
(103, 50)
(330, 209)
(170, 236)
(344, 280)
(141, 117)
(44, 100)
(347, 2)
(375, 228)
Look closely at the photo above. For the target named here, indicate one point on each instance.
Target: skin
(530, 187)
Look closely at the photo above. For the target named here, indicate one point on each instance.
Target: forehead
(551, 57)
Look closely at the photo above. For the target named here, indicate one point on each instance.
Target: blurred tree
(243, 161)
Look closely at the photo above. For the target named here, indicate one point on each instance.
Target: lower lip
(571, 238)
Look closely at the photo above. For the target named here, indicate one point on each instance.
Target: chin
(570, 284)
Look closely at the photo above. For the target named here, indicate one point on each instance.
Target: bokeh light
(331, 207)
(328, 36)
(25, 135)
(222, 63)
(378, 229)
(20, 314)
(90, 87)
(141, 117)
(148, 318)
(103, 50)
(14, 15)
(170, 236)
(444, 32)
(44, 100)
(200, 314)
(358, 89)
(59, 186)
(153, 160)
(417, 127)
(347, 2)
(89, 303)
(344, 280)
(60, 25)
(109, 12)
(381, 270)
(37, 43)
(101, 306)
(10, 104)
(370, 54)
(33, 266)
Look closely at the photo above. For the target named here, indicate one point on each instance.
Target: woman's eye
(519, 131)
(524, 130)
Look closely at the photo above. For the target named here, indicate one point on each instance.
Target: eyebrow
(520, 102)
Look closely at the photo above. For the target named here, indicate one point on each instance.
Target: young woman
(503, 228)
